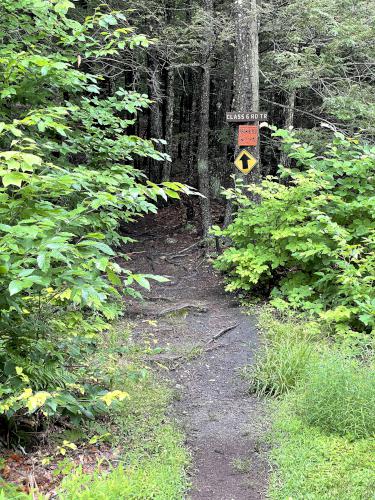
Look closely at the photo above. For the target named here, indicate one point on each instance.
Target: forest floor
(205, 340)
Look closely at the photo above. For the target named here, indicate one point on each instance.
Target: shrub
(337, 394)
(310, 241)
(67, 182)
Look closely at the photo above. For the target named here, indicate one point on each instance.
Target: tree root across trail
(204, 341)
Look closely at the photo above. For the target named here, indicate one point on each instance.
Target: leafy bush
(281, 360)
(310, 241)
(148, 458)
(67, 183)
(337, 394)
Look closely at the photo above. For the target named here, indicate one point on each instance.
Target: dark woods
(306, 63)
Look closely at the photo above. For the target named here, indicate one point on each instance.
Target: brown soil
(223, 423)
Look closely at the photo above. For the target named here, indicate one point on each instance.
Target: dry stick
(185, 249)
(222, 333)
(207, 349)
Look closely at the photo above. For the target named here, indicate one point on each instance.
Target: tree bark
(169, 120)
(246, 72)
(192, 137)
(156, 113)
(203, 156)
(246, 79)
(289, 121)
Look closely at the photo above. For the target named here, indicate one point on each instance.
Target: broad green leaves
(67, 183)
(310, 241)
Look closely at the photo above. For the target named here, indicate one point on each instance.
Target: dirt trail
(223, 423)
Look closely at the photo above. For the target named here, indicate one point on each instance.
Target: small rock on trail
(223, 423)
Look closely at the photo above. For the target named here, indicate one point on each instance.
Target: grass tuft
(313, 465)
(323, 432)
(337, 394)
(282, 359)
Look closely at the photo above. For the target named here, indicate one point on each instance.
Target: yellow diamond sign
(245, 162)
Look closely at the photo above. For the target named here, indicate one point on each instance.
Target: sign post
(248, 136)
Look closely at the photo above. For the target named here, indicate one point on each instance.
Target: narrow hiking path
(205, 341)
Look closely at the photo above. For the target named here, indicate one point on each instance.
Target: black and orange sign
(248, 135)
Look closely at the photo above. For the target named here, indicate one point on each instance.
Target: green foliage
(67, 183)
(337, 394)
(287, 347)
(329, 42)
(153, 459)
(311, 239)
(322, 432)
(155, 475)
(49, 373)
(149, 457)
(312, 464)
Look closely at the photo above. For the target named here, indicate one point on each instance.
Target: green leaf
(13, 178)
(114, 278)
(17, 286)
(156, 277)
(103, 247)
(142, 281)
(172, 194)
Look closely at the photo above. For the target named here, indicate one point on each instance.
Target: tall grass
(323, 431)
(283, 356)
(311, 464)
(337, 394)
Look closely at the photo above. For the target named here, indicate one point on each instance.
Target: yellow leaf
(113, 396)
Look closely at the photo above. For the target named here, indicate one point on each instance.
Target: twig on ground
(183, 358)
(221, 333)
(187, 249)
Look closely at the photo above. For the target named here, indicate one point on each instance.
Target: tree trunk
(192, 134)
(246, 72)
(289, 120)
(156, 113)
(203, 157)
(203, 160)
(169, 120)
(246, 79)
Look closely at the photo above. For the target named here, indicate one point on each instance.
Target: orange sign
(248, 135)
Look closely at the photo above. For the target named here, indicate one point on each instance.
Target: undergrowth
(154, 459)
(308, 244)
(323, 432)
(149, 458)
(286, 349)
(312, 464)
(337, 394)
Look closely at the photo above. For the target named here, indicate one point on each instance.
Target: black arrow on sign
(245, 162)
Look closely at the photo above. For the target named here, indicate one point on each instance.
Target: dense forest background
(316, 66)
(307, 65)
